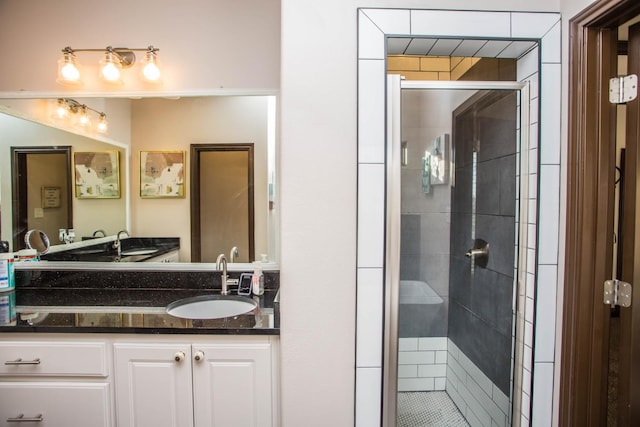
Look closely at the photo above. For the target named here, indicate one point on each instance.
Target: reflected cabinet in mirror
(232, 188)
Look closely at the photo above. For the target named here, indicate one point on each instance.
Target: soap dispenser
(257, 281)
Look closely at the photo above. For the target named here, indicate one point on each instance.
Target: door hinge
(623, 89)
(617, 292)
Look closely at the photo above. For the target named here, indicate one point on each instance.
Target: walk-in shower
(454, 238)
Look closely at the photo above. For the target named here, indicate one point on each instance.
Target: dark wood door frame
(196, 149)
(590, 198)
(19, 189)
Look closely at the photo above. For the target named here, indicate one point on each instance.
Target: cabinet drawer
(58, 403)
(45, 358)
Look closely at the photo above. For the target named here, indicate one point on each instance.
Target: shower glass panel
(458, 257)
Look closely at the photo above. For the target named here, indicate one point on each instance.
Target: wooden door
(33, 170)
(589, 221)
(153, 385)
(629, 369)
(222, 201)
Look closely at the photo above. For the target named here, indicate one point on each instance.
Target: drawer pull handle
(22, 419)
(179, 356)
(199, 356)
(23, 362)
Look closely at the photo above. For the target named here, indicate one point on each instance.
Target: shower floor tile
(428, 408)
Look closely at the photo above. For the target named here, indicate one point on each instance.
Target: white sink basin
(211, 306)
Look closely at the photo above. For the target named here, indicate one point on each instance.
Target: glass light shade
(83, 119)
(68, 71)
(110, 68)
(62, 110)
(150, 69)
(102, 125)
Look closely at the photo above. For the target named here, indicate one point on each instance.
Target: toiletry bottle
(257, 281)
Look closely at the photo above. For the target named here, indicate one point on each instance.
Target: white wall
(204, 44)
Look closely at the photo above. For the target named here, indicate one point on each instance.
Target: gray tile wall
(480, 310)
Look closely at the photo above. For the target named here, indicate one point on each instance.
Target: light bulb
(68, 71)
(62, 111)
(83, 118)
(110, 72)
(151, 71)
(102, 125)
(110, 68)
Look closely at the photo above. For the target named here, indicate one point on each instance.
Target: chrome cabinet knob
(199, 356)
(179, 356)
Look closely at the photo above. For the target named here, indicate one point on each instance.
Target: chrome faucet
(233, 254)
(95, 233)
(223, 260)
(116, 244)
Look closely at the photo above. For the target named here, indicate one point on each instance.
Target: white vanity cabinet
(220, 381)
(54, 383)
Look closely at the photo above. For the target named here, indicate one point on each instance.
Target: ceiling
(479, 48)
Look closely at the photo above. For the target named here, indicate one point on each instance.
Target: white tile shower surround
(373, 25)
(472, 391)
(422, 364)
(437, 364)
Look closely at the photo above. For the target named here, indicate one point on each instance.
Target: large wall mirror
(138, 127)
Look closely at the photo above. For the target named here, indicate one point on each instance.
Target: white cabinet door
(153, 385)
(68, 404)
(232, 384)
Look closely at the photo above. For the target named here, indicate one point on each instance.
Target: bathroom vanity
(94, 346)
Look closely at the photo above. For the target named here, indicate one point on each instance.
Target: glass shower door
(458, 244)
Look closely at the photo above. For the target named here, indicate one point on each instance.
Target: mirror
(153, 124)
(22, 142)
(38, 240)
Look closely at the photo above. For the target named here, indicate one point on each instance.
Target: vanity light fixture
(114, 60)
(80, 114)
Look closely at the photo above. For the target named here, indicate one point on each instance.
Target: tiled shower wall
(542, 256)
(484, 207)
(422, 364)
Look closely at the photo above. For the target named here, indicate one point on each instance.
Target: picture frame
(50, 197)
(162, 174)
(97, 174)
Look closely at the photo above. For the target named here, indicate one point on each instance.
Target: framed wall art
(162, 174)
(97, 174)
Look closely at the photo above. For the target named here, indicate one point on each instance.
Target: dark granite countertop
(115, 301)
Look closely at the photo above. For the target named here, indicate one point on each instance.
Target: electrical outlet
(38, 213)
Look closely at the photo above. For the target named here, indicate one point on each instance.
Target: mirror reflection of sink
(89, 251)
(138, 251)
(211, 306)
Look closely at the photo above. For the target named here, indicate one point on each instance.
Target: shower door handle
(479, 253)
